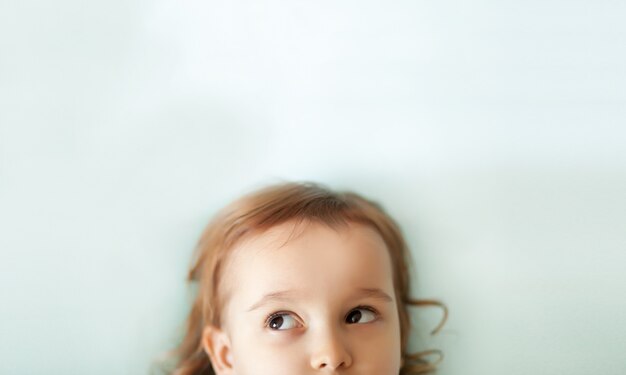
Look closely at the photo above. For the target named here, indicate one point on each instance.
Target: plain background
(493, 131)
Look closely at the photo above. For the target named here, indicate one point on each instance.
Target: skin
(327, 326)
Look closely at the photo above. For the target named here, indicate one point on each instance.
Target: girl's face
(321, 303)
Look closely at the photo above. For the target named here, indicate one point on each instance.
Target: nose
(330, 352)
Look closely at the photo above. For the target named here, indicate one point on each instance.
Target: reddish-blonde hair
(270, 206)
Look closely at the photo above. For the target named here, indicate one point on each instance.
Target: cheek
(379, 355)
(263, 353)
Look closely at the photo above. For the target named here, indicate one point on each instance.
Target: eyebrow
(288, 295)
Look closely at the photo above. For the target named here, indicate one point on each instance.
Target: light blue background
(492, 130)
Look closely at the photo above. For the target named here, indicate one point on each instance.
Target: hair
(273, 205)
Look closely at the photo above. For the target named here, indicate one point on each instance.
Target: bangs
(299, 203)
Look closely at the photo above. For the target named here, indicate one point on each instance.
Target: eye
(281, 322)
(361, 315)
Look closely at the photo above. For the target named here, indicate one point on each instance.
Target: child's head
(298, 279)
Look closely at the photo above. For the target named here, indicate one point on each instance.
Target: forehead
(312, 258)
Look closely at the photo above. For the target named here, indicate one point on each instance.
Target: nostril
(324, 365)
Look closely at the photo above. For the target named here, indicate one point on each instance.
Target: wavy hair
(262, 209)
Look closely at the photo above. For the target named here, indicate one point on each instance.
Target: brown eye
(360, 315)
(281, 322)
(276, 322)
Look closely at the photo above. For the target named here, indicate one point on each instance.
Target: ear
(216, 344)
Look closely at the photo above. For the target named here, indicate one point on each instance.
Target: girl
(297, 279)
